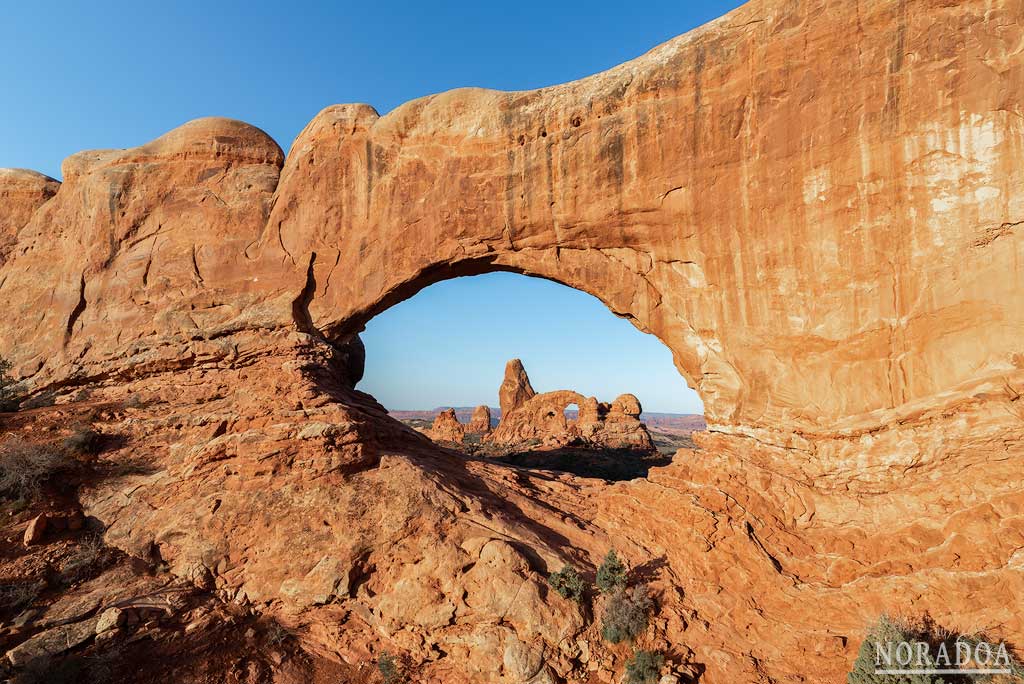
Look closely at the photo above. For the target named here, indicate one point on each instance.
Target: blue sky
(448, 345)
(100, 74)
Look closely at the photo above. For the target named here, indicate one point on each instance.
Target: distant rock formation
(528, 417)
(480, 423)
(447, 428)
(515, 388)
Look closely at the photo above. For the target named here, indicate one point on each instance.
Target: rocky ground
(75, 610)
(456, 579)
(268, 494)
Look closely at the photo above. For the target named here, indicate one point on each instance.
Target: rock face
(818, 209)
(515, 388)
(447, 428)
(21, 193)
(539, 419)
(480, 423)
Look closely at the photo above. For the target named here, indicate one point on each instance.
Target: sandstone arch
(654, 186)
(816, 206)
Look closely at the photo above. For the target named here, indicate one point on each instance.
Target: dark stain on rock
(891, 110)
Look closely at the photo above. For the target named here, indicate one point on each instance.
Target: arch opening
(598, 397)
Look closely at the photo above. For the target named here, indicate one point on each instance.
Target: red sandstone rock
(540, 419)
(818, 210)
(36, 530)
(22, 192)
(480, 423)
(447, 428)
(515, 388)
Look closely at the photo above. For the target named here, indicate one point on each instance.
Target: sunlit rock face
(816, 211)
(817, 207)
(530, 420)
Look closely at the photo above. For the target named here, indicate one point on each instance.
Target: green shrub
(887, 631)
(644, 667)
(626, 614)
(611, 576)
(568, 583)
(391, 668)
(24, 467)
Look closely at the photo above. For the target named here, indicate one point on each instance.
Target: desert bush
(8, 401)
(276, 633)
(84, 441)
(626, 614)
(611, 576)
(14, 597)
(890, 631)
(88, 558)
(568, 583)
(884, 631)
(392, 669)
(644, 667)
(24, 467)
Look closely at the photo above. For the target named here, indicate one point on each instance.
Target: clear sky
(448, 345)
(87, 75)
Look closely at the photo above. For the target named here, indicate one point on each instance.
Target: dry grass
(25, 467)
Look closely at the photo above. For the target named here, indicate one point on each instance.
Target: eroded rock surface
(817, 209)
(515, 387)
(540, 419)
(480, 422)
(447, 428)
(21, 193)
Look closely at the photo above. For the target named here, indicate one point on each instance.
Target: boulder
(36, 530)
(110, 619)
(53, 642)
(328, 579)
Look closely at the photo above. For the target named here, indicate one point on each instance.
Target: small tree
(626, 614)
(644, 667)
(611, 576)
(568, 583)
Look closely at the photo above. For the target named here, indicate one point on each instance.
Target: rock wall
(780, 196)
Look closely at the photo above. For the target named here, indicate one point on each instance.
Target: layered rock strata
(817, 208)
